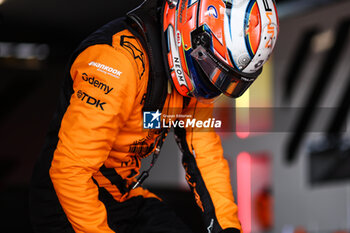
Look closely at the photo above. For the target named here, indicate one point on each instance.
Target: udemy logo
(96, 83)
(151, 120)
(90, 100)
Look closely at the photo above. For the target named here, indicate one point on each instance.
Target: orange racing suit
(101, 142)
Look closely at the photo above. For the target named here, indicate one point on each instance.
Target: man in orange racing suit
(84, 180)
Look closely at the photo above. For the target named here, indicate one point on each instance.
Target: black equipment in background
(329, 158)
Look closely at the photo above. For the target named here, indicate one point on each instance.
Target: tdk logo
(151, 120)
(90, 100)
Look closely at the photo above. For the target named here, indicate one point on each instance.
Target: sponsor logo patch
(90, 100)
(212, 11)
(178, 38)
(96, 83)
(178, 71)
(106, 69)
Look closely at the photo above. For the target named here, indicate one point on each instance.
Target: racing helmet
(215, 47)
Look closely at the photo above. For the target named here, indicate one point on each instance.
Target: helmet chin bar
(201, 38)
(228, 81)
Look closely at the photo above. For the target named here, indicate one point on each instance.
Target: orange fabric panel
(105, 86)
(214, 169)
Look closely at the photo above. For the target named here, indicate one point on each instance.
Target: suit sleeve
(207, 172)
(105, 87)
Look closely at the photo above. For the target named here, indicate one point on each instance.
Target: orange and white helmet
(216, 47)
